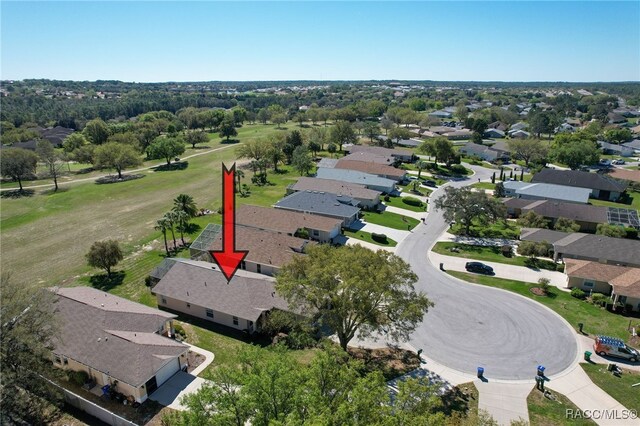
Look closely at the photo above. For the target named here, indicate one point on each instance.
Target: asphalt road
(472, 326)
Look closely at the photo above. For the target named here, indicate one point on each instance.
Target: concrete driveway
(472, 325)
(171, 391)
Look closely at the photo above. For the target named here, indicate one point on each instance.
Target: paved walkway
(504, 401)
(405, 212)
(208, 358)
(512, 272)
(370, 246)
(578, 387)
(395, 234)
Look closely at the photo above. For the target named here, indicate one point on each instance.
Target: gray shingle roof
(550, 191)
(380, 150)
(579, 179)
(335, 187)
(574, 211)
(113, 335)
(200, 283)
(322, 203)
(283, 220)
(354, 176)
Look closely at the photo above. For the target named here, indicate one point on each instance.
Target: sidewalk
(578, 387)
(405, 212)
(208, 358)
(353, 241)
(504, 401)
(512, 272)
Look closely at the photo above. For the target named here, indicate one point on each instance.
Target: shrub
(148, 281)
(458, 169)
(507, 250)
(412, 201)
(578, 293)
(544, 284)
(381, 238)
(387, 198)
(631, 232)
(179, 330)
(560, 267)
(78, 377)
(598, 299)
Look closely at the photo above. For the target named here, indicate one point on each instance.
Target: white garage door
(167, 371)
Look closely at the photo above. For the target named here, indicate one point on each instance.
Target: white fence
(95, 410)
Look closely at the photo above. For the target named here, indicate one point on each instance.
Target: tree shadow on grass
(106, 283)
(281, 171)
(178, 165)
(192, 228)
(17, 193)
(53, 191)
(201, 147)
(115, 179)
(229, 142)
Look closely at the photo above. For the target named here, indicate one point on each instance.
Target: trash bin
(480, 372)
(612, 367)
(541, 370)
(587, 356)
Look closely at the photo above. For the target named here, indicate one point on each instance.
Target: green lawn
(489, 254)
(596, 320)
(618, 387)
(544, 411)
(366, 236)
(484, 185)
(632, 201)
(397, 202)
(391, 220)
(501, 229)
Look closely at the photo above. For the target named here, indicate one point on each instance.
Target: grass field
(618, 387)
(545, 412)
(391, 220)
(484, 185)
(397, 202)
(596, 320)
(45, 236)
(366, 236)
(631, 202)
(489, 254)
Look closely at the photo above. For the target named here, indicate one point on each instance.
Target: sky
(239, 41)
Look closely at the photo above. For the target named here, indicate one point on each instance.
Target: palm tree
(161, 225)
(170, 217)
(239, 176)
(185, 203)
(420, 165)
(182, 219)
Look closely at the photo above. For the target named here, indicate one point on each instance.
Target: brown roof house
(268, 250)
(403, 155)
(602, 187)
(622, 283)
(380, 170)
(366, 198)
(199, 289)
(117, 342)
(320, 228)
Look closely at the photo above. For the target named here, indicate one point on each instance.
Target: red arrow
(228, 259)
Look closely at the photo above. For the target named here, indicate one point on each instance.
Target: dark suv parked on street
(479, 267)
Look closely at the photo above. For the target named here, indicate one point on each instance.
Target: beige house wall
(201, 312)
(598, 286)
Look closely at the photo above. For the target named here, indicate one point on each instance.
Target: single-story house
(387, 172)
(602, 187)
(544, 191)
(366, 198)
(370, 181)
(55, 135)
(484, 152)
(493, 133)
(441, 114)
(616, 118)
(498, 125)
(615, 149)
(117, 342)
(585, 215)
(457, 134)
(621, 283)
(368, 157)
(518, 126)
(519, 134)
(403, 155)
(320, 228)
(625, 174)
(201, 290)
(576, 245)
(565, 128)
(634, 144)
(322, 204)
(412, 143)
(268, 250)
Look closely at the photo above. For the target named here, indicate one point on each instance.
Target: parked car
(605, 162)
(479, 267)
(429, 183)
(618, 162)
(611, 346)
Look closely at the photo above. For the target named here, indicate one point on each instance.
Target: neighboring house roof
(322, 203)
(264, 247)
(587, 246)
(573, 211)
(368, 157)
(499, 125)
(380, 150)
(409, 142)
(634, 144)
(494, 133)
(518, 126)
(624, 150)
(335, 187)
(328, 163)
(355, 176)
(284, 221)
(519, 134)
(113, 335)
(500, 146)
(625, 280)
(579, 179)
(371, 168)
(616, 118)
(441, 113)
(440, 129)
(625, 174)
(56, 135)
(546, 190)
(483, 151)
(246, 296)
